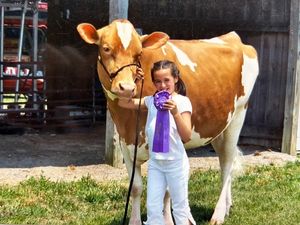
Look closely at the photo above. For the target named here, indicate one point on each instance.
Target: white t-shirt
(177, 149)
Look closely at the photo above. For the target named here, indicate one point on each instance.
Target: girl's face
(164, 81)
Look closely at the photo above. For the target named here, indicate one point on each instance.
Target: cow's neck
(125, 121)
(109, 94)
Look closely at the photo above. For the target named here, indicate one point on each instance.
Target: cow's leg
(167, 209)
(226, 147)
(136, 192)
(137, 187)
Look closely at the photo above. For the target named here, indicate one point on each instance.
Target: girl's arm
(184, 125)
(131, 103)
(183, 121)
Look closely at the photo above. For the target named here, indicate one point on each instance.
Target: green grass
(265, 195)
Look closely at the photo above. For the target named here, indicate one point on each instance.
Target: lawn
(266, 195)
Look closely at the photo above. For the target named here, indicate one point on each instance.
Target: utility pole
(118, 9)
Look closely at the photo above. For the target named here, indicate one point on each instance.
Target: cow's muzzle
(126, 90)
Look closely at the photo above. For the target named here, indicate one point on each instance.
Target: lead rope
(135, 153)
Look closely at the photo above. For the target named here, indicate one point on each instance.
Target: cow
(219, 74)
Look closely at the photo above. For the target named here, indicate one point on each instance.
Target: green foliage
(265, 195)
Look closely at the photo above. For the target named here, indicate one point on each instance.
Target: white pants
(173, 174)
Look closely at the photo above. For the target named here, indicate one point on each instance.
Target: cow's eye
(106, 49)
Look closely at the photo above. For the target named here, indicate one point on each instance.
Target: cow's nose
(126, 88)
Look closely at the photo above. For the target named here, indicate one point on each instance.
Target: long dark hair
(166, 64)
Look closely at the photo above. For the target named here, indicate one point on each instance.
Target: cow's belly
(197, 141)
(215, 127)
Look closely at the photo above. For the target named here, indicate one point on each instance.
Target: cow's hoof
(215, 222)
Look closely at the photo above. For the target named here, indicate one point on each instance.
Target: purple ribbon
(162, 127)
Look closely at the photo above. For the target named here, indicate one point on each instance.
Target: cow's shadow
(201, 215)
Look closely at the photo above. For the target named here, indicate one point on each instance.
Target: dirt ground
(69, 156)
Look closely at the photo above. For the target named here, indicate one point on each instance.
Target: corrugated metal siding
(264, 119)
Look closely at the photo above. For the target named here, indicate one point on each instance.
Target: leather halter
(114, 74)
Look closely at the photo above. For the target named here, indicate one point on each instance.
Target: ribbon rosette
(162, 126)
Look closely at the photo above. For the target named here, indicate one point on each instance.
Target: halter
(114, 74)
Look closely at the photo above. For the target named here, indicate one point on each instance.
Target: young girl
(167, 168)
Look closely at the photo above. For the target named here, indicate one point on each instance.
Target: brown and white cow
(219, 75)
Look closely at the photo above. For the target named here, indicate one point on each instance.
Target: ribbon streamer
(162, 127)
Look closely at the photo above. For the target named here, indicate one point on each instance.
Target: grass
(266, 195)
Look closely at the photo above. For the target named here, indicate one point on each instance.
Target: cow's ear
(154, 40)
(88, 33)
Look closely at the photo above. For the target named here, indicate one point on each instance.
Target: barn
(71, 96)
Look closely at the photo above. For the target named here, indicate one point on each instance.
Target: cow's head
(120, 49)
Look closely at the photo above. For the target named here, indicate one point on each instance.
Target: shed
(272, 27)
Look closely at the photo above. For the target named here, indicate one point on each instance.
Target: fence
(34, 90)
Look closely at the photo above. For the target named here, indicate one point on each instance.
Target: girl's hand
(139, 74)
(172, 106)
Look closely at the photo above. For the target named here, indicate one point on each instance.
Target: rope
(135, 154)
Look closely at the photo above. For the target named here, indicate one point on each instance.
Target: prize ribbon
(162, 127)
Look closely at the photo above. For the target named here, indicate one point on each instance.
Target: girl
(168, 168)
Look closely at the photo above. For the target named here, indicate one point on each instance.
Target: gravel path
(70, 156)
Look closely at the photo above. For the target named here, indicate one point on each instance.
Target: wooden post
(298, 76)
(291, 112)
(113, 153)
(118, 9)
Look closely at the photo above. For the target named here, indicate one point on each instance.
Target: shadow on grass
(120, 221)
(201, 215)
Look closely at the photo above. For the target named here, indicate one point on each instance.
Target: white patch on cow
(128, 151)
(231, 114)
(249, 74)
(197, 140)
(163, 49)
(233, 32)
(214, 40)
(124, 32)
(109, 94)
(183, 57)
(142, 152)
